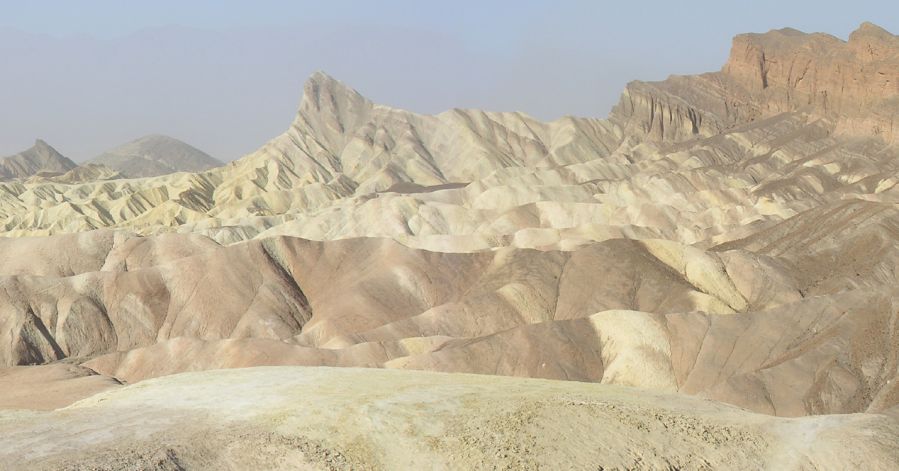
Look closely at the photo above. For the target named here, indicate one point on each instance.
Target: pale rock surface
(81, 174)
(342, 419)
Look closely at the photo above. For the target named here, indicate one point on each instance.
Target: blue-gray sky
(226, 76)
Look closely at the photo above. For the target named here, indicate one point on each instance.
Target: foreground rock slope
(342, 419)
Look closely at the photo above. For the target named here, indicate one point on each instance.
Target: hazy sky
(226, 76)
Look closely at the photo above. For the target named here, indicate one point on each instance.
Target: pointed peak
(871, 33)
(331, 110)
(323, 94)
(320, 76)
(321, 84)
(873, 42)
(870, 29)
(42, 147)
(39, 158)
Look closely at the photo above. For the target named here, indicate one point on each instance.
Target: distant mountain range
(155, 155)
(148, 156)
(40, 159)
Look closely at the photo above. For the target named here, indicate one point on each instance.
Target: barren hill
(154, 155)
(40, 159)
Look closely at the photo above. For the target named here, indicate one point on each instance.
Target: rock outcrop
(853, 84)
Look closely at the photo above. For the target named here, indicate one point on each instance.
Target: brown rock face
(853, 84)
(856, 83)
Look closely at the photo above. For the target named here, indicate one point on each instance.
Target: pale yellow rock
(702, 269)
(323, 418)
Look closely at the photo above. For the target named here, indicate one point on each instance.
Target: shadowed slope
(654, 314)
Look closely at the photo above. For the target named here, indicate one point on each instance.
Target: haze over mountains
(729, 235)
(40, 159)
(148, 156)
(155, 155)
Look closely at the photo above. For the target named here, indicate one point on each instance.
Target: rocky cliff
(853, 85)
